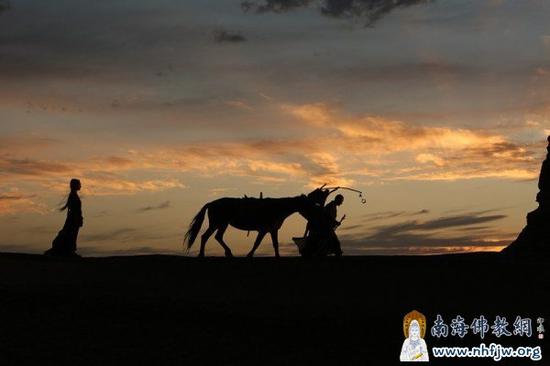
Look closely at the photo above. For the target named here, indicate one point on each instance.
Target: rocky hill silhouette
(534, 239)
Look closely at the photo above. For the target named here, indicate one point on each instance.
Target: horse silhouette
(264, 215)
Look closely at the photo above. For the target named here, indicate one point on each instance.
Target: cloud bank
(452, 233)
(369, 10)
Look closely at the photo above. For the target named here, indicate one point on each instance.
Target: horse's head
(319, 195)
(307, 207)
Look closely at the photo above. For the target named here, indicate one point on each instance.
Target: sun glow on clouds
(436, 153)
(338, 149)
(393, 135)
(117, 186)
(456, 249)
(110, 176)
(420, 250)
(430, 158)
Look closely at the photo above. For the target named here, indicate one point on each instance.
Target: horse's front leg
(259, 239)
(275, 240)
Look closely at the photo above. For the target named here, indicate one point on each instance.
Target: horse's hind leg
(219, 238)
(204, 239)
(275, 240)
(259, 238)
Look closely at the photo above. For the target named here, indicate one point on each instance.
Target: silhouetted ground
(165, 310)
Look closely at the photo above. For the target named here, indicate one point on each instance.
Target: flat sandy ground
(168, 310)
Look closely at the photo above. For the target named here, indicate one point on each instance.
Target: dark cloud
(161, 206)
(370, 10)
(392, 214)
(417, 243)
(451, 222)
(222, 36)
(424, 235)
(4, 5)
(513, 152)
(351, 227)
(31, 167)
(275, 6)
(441, 223)
(14, 197)
(473, 228)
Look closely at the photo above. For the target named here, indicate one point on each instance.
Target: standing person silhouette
(64, 243)
(331, 212)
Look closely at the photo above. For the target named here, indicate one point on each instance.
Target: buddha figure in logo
(414, 347)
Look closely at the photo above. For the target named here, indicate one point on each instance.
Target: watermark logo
(414, 347)
(460, 328)
(540, 327)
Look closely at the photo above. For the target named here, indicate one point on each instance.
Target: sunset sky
(437, 110)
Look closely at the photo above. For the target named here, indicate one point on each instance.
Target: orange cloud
(427, 153)
(389, 135)
(101, 176)
(119, 186)
(338, 150)
(15, 202)
(430, 158)
(317, 114)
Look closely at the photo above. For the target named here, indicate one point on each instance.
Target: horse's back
(224, 204)
(246, 213)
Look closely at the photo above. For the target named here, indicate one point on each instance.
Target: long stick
(347, 188)
(363, 200)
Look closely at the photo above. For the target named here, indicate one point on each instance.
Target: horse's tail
(195, 227)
